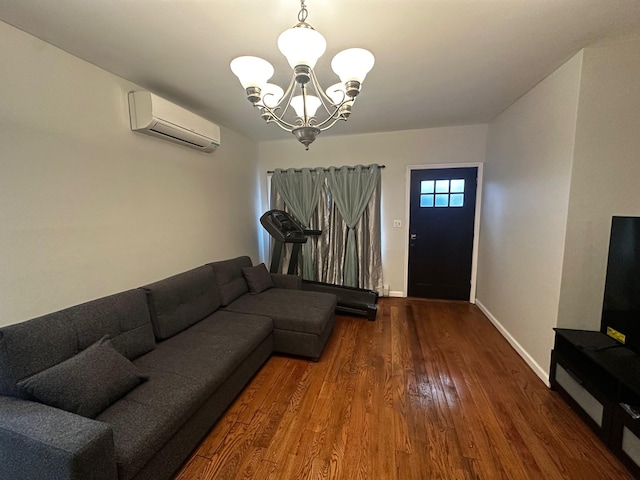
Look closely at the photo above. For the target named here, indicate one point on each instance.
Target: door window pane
(442, 193)
(442, 186)
(442, 200)
(426, 200)
(456, 200)
(426, 186)
(457, 186)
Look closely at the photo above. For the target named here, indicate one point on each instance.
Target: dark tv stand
(600, 379)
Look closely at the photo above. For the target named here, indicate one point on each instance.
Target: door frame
(476, 223)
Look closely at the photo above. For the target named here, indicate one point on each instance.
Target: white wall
(89, 208)
(396, 150)
(524, 215)
(605, 176)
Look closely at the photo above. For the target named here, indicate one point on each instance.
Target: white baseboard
(537, 369)
(396, 294)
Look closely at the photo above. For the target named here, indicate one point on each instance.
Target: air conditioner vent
(175, 138)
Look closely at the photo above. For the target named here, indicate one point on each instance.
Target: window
(442, 193)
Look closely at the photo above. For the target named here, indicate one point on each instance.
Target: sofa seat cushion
(293, 310)
(209, 351)
(184, 372)
(143, 421)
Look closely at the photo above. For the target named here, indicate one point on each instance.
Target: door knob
(413, 236)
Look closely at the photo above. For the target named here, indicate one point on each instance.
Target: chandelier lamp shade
(304, 108)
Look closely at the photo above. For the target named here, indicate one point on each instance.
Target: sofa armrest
(38, 441)
(282, 280)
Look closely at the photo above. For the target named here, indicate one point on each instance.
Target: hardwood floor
(430, 390)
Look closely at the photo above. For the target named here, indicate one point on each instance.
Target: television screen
(621, 307)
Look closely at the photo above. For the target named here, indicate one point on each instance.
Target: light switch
(397, 224)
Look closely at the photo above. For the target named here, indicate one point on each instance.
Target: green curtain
(300, 190)
(351, 189)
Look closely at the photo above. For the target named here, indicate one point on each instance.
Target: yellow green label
(613, 333)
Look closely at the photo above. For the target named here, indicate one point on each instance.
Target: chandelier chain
(303, 13)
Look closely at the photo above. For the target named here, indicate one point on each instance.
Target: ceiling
(438, 62)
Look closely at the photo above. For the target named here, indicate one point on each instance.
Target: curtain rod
(326, 169)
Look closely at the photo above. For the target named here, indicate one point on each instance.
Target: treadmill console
(283, 227)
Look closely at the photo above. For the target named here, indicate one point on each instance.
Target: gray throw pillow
(258, 278)
(87, 383)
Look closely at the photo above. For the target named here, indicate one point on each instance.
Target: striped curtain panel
(347, 211)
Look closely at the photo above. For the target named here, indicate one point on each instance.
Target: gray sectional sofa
(124, 387)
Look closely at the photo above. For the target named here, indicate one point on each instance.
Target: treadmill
(284, 228)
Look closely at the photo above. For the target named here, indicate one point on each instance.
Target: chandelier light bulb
(251, 71)
(353, 64)
(302, 46)
(313, 103)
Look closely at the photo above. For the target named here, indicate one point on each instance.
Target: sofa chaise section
(302, 320)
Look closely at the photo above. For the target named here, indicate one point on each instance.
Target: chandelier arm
(335, 120)
(331, 120)
(336, 115)
(325, 100)
(316, 85)
(324, 105)
(287, 127)
(306, 119)
(287, 93)
(279, 120)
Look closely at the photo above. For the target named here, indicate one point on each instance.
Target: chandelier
(296, 109)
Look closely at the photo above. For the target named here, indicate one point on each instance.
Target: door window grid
(442, 193)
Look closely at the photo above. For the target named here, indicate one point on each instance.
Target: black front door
(441, 227)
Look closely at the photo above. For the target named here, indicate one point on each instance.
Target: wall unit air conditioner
(156, 116)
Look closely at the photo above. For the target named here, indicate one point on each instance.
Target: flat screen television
(621, 306)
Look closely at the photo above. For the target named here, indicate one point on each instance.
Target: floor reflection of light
(442, 390)
(425, 389)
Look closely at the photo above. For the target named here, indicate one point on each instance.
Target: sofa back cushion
(123, 316)
(231, 281)
(30, 347)
(179, 301)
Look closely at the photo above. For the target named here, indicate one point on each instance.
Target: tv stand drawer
(630, 445)
(575, 389)
(625, 436)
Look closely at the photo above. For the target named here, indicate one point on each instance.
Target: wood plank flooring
(430, 390)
